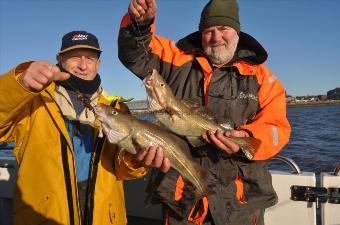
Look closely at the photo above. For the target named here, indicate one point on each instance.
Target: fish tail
(249, 145)
(202, 189)
(207, 191)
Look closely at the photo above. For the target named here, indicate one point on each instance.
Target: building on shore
(330, 96)
(334, 94)
(140, 106)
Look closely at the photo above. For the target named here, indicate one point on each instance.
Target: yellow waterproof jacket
(46, 188)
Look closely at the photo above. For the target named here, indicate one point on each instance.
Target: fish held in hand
(132, 134)
(185, 118)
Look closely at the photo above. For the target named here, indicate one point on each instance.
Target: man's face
(83, 63)
(219, 43)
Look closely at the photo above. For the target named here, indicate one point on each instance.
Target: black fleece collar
(75, 83)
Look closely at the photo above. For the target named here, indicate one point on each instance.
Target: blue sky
(302, 37)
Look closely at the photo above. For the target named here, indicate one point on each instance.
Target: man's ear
(58, 58)
(98, 64)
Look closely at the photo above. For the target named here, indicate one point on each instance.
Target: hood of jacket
(248, 48)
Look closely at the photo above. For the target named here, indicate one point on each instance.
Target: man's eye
(92, 59)
(224, 28)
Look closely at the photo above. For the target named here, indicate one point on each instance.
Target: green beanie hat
(220, 13)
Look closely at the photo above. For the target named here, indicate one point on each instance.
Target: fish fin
(195, 141)
(191, 102)
(249, 145)
(227, 124)
(143, 112)
(128, 145)
(159, 125)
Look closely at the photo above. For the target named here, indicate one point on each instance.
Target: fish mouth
(153, 104)
(153, 99)
(106, 128)
(100, 115)
(113, 133)
(99, 112)
(149, 82)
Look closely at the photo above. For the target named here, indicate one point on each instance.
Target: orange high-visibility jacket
(243, 91)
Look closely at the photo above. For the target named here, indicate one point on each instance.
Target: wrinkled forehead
(218, 28)
(79, 52)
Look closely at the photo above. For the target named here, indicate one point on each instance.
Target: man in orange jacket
(223, 68)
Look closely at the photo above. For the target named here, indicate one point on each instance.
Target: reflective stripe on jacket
(46, 189)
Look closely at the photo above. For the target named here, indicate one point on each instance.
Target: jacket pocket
(42, 212)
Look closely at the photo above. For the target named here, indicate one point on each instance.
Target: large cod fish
(132, 134)
(184, 118)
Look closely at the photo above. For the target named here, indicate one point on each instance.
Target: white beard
(220, 57)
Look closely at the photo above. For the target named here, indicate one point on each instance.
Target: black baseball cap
(79, 39)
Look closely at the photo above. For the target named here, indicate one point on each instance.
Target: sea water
(314, 142)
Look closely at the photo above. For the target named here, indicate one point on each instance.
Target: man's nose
(83, 64)
(216, 35)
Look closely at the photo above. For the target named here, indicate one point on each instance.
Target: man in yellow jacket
(68, 172)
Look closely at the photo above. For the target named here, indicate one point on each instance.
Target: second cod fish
(183, 119)
(132, 134)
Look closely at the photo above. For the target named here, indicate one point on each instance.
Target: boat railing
(337, 169)
(290, 162)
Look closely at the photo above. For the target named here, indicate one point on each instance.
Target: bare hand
(222, 141)
(154, 157)
(142, 10)
(40, 74)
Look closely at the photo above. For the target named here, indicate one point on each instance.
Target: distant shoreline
(328, 102)
(140, 107)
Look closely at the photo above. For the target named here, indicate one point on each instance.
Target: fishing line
(146, 52)
(82, 98)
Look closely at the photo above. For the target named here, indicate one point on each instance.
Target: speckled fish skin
(132, 134)
(185, 120)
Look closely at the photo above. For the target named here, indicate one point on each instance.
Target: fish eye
(162, 84)
(114, 112)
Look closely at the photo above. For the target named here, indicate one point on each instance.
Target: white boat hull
(286, 212)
